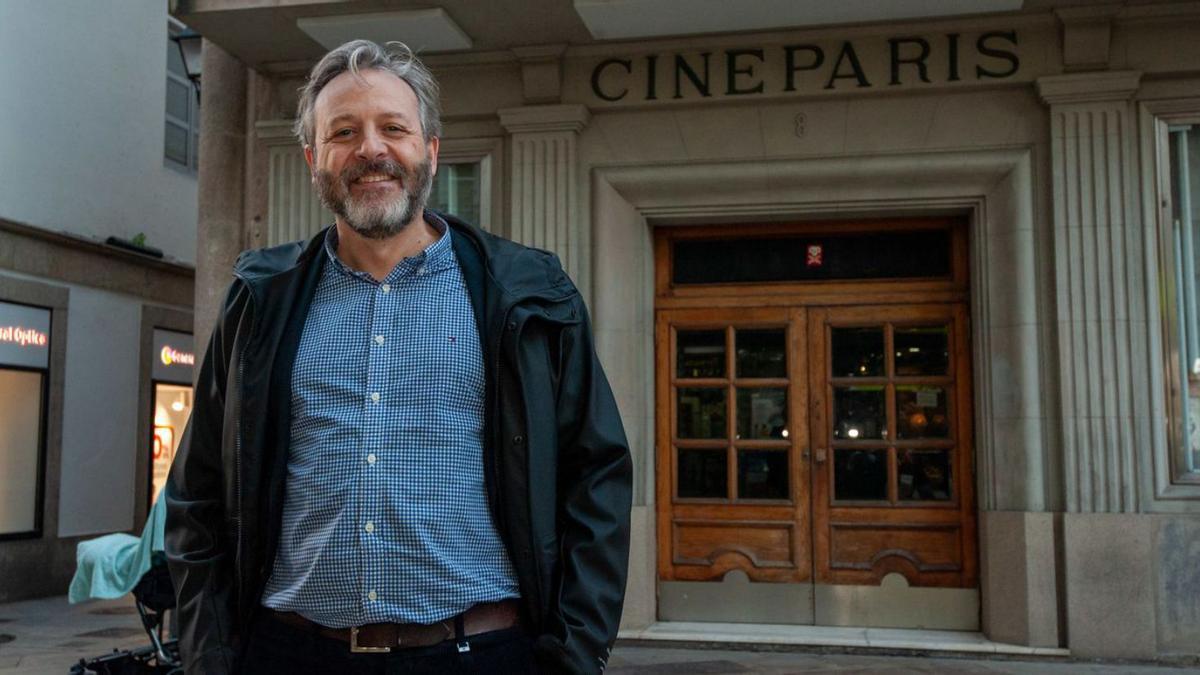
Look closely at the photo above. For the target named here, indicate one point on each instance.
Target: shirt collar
(437, 256)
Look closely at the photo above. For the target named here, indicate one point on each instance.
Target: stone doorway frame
(1009, 245)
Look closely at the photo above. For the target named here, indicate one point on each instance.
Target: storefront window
(457, 189)
(24, 363)
(1182, 213)
(173, 359)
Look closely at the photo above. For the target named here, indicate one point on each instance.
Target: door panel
(733, 493)
(891, 428)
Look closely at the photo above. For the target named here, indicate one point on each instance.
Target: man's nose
(372, 145)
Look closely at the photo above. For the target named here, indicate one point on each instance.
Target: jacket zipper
(494, 465)
(239, 559)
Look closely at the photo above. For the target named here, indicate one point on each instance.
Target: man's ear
(310, 156)
(434, 144)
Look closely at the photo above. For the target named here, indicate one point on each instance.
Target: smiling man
(404, 455)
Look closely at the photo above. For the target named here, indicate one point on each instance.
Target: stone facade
(1038, 127)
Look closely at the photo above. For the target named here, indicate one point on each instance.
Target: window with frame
(24, 369)
(181, 142)
(458, 190)
(1180, 242)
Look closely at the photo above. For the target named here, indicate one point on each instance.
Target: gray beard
(376, 219)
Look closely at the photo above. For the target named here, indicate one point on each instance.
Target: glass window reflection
(857, 352)
(762, 413)
(701, 412)
(923, 475)
(922, 350)
(858, 413)
(762, 474)
(702, 474)
(700, 353)
(860, 475)
(921, 412)
(761, 353)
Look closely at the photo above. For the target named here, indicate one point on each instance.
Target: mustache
(386, 167)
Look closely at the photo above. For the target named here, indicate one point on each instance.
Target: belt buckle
(364, 650)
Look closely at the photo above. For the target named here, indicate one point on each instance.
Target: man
(404, 455)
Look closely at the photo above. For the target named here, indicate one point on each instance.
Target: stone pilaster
(221, 183)
(1099, 249)
(545, 184)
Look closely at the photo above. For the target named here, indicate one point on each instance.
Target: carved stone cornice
(541, 118)
(1108, 85)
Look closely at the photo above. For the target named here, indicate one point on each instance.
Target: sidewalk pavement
(48, 636)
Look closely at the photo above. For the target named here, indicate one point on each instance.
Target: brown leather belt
(384, 637)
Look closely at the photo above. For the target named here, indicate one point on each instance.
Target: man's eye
(343, 132)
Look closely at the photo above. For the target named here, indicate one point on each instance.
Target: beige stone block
(900, 123)
(730, 132)
(1110, 585)
(641, 136)
(1018, 454)
(1177, 548)
(640, 598)
(1013, 298)
(1003, 576)
(1015, 370)
(982, 118)
(1155, 47)
(809, 128)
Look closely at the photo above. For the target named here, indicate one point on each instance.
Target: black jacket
(556, 459)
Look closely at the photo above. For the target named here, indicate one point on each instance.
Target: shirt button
(369, 527)
(371, 458)
(421, 269)
(386, 288)
(372, 596)
(375, 397)
(378, 339)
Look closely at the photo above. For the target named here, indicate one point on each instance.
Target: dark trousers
(275, 648)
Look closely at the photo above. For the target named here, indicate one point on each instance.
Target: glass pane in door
(921, 412)
(858, 413)
(762, 474)
(761, 412)
(922, 350)
(702, 412)
(860, 475)
(702, 474)
(857, 352)
(761, 353)
(700, 353)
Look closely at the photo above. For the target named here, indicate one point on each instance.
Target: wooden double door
(826, 446)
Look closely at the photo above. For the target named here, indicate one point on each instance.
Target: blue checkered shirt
(385, 517)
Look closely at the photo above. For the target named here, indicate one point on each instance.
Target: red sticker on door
(816, 255)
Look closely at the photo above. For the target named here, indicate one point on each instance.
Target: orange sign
(170, 356)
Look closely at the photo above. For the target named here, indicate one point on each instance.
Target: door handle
(822, 455)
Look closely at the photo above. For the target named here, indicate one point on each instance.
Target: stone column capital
(571, 117)
(1107, 85)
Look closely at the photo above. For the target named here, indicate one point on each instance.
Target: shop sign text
(169, 356)
(23, 337)
(799, 68)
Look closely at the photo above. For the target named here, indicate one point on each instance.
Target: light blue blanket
(108, 567)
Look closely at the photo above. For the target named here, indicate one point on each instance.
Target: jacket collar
(520, 272)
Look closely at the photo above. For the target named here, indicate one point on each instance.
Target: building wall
(1055, 569)
(82, 145)
(84, 109)
(100, 413)
(1052, 165)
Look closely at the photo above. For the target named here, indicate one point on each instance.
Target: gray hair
(393, 57)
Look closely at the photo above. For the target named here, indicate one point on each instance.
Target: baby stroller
(108, 567)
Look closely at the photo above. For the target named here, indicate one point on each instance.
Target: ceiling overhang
(424, 30)
(631, 19)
